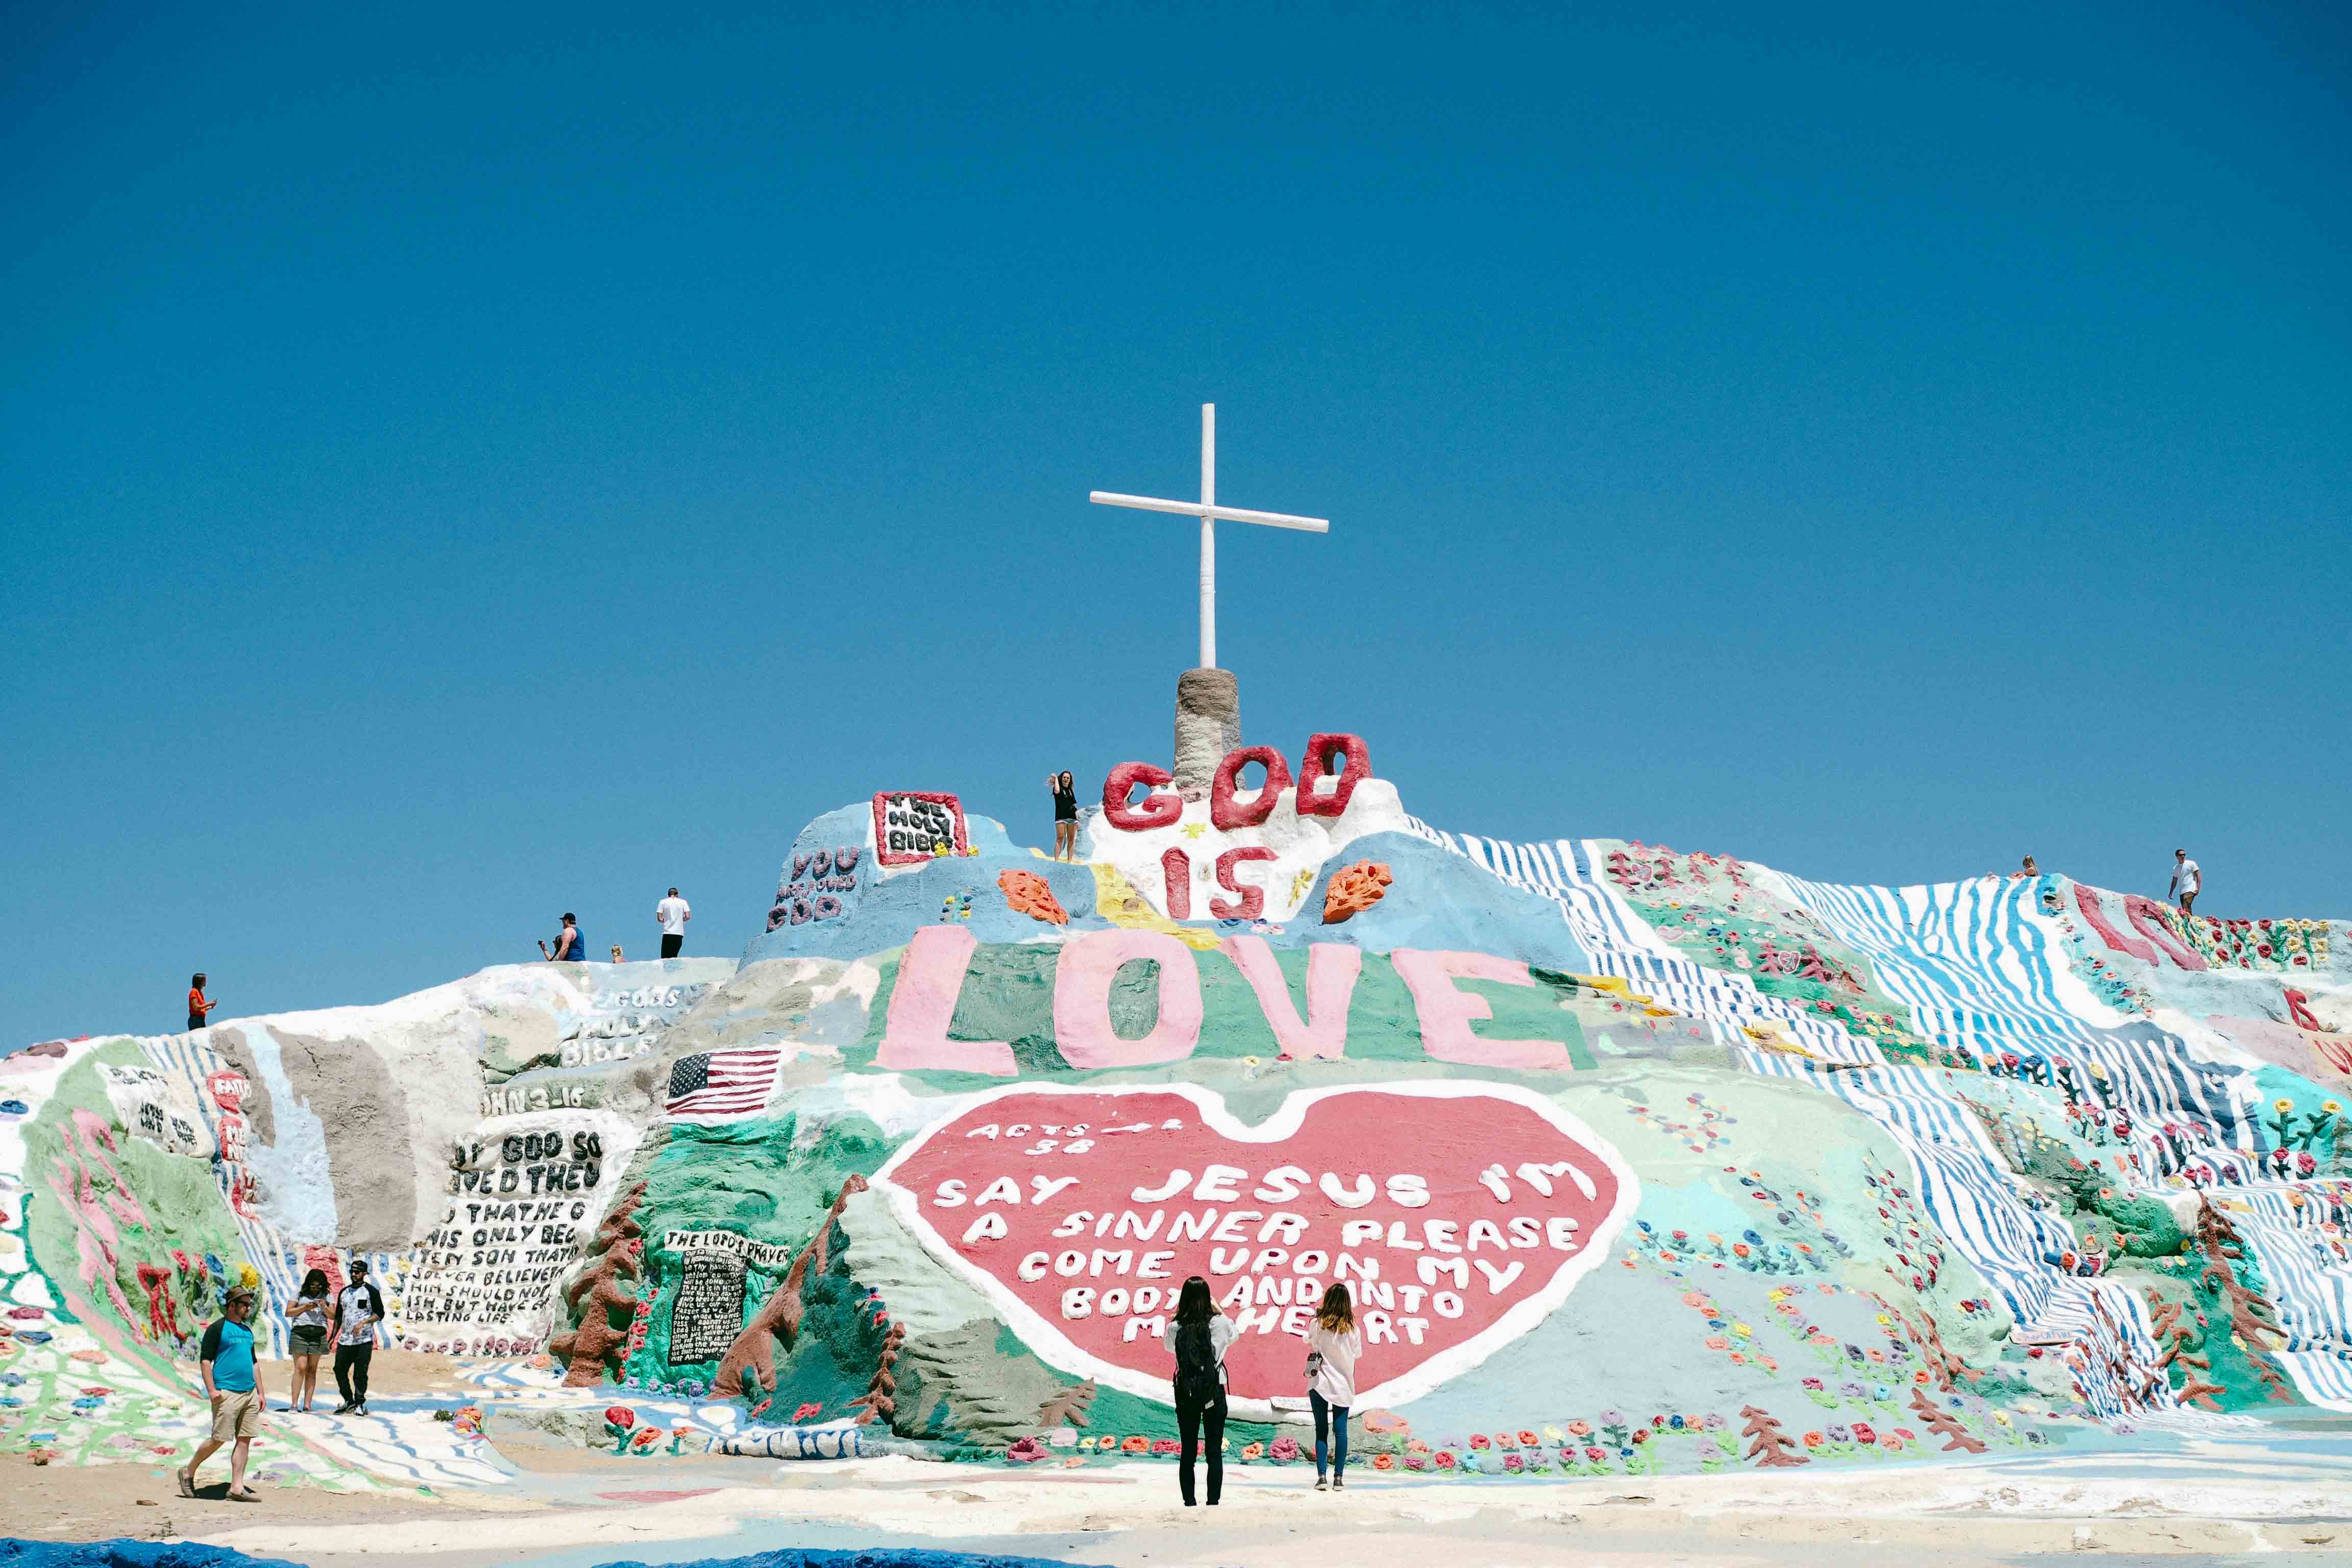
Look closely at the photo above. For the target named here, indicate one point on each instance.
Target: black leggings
(352, 1369)
(1201, 1427)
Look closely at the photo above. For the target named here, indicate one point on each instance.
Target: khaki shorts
(236, 1413)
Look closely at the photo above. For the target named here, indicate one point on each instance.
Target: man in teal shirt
(233, 1385)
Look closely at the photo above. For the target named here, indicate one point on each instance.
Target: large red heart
(1464, 1213)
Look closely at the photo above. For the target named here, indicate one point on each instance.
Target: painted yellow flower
(2282, 1106)
(1742, 1330)
(2330, 1107)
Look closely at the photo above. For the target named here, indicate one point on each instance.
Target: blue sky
(461, 465)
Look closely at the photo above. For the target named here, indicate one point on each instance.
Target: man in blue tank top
(570, 947)
(233, 1386)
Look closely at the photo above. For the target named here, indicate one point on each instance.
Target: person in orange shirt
(197, 1005)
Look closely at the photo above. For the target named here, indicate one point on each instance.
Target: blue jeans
(1329, 1416)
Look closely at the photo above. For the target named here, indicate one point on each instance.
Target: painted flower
(1838, 1433)
(1864, 1433)
(620, 1416)
(1258, 1451)
(1579, 1429)
(1415, 1446)
(1528, 1439)
(1480, 1440)
(1283, 1450)
(1416, 1461)
(2282, 1106)
(1812, 1439)
(1445, 1461)
(1164, 1446)
(805, 1411)
(1027, 1451)
(1594, 1455)
(1811, 1384)
(1905, 1434)
(1136, 1445)
(1676, 1422)
(1513, 1463)
(1715, 1422)
(1380, 1461)
(645, 1438)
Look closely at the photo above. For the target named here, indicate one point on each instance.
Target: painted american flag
(722, 1086)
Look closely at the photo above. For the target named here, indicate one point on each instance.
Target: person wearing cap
(2186, 881)
(357, 1309)
(570, 947)
(233, 1385)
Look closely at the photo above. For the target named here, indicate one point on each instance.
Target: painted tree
(2183, 1342)
(1068, 1405)
(1771, 1445)
(595, 1344)
(751, 1360)
(880, 1397)
(2251, 1315)
(1943, 1424)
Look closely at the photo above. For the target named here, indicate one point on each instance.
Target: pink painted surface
(1224, 810)
(1176, 873)
(1252, 903)
(2087, 899)
(923, 1003)
(1446, 1012)
(1151, 811)
(2146, 917)
(1331, 971)
(1355, 770)
(1250, 1194)
(1082, 983)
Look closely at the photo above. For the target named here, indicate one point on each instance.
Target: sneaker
(344, 1408)
(1321, 1485)
(360, 1408)
(1338, 1483)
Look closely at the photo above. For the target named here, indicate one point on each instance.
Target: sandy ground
(389, 1371)
(570, 1507)
(618, 1509)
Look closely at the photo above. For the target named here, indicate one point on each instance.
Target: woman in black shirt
(1066, 815)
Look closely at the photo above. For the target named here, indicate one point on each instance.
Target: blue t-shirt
(229, 1347)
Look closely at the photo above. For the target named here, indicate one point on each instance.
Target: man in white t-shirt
(2186, 881)
(673, 914)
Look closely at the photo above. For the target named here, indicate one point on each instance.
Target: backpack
(1197, 1381)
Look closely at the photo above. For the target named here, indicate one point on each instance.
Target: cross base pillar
(1208, 725)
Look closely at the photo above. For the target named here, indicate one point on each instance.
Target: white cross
(1208, 511)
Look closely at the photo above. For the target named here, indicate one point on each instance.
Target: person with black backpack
(1202, 1334)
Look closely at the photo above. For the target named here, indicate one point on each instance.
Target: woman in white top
(1333, 1344)
(1202, 1334)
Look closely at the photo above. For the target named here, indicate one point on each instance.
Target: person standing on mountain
(1066, 813)
(2187, 882)
(197, 1005)
(673, 913)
